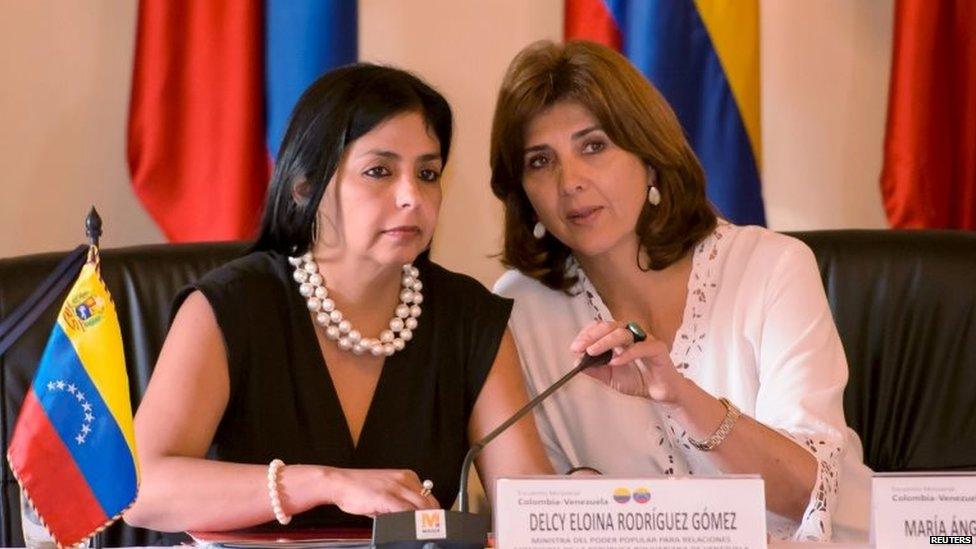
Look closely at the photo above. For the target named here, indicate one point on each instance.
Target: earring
(539, 230)
(315, 231)
(653, 195)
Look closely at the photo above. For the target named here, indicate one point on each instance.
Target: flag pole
(93, 231)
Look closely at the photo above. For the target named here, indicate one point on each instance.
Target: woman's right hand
(373, 492)
(643, 369)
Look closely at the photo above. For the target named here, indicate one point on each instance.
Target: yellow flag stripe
(733, 26)
(99, 346)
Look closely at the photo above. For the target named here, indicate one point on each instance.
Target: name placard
(923, 509)
(595, 512)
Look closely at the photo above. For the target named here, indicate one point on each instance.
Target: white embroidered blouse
(756, 329)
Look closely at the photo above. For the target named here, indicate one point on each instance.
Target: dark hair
(338, 108)
(635, 116)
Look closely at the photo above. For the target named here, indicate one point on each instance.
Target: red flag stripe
(45, 463)
(929, 176)
(591, 20)
(196, 153)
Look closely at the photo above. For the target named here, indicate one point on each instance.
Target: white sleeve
(802, 375)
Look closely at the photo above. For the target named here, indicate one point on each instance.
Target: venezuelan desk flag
(704, 57)
(73, 450)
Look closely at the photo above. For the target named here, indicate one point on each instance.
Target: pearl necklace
(311, 285)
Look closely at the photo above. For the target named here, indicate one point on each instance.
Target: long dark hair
(338, 108)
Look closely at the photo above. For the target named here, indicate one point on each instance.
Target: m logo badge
(431, 524)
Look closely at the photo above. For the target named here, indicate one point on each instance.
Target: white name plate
(603, 512)
(923, 509)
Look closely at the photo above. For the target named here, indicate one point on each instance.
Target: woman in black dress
(335, 372)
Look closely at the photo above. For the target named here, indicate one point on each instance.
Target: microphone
(462, 529)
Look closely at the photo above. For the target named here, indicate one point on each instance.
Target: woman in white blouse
(609, 235)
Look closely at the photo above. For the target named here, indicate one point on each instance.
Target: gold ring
(428, 486)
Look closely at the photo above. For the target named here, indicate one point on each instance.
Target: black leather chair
(904, 303)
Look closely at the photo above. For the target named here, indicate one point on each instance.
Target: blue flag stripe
(668, 42)
(64, 389)
(303, 39)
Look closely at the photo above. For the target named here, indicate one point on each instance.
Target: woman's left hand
(639, 369)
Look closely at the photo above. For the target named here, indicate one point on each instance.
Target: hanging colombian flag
(212, 88)
(704, 57)
(73, 450)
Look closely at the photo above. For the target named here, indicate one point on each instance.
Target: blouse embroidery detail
(688, 345)
(816, 523)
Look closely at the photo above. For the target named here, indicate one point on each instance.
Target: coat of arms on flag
(73, 447)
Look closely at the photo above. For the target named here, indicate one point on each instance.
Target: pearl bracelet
(274, 467)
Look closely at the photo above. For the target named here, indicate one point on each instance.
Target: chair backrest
(143, 281)
(905, 305)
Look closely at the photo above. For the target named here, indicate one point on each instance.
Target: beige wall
(825, 66)
(65, 71)
(65, 75)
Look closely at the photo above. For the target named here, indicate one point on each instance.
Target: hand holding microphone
(641, 365)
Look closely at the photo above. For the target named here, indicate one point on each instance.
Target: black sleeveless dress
(284, 405)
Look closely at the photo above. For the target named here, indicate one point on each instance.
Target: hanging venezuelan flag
(704, 57)
(73, 449)
(213, 85)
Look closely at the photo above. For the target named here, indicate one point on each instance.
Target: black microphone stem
(476, 448)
